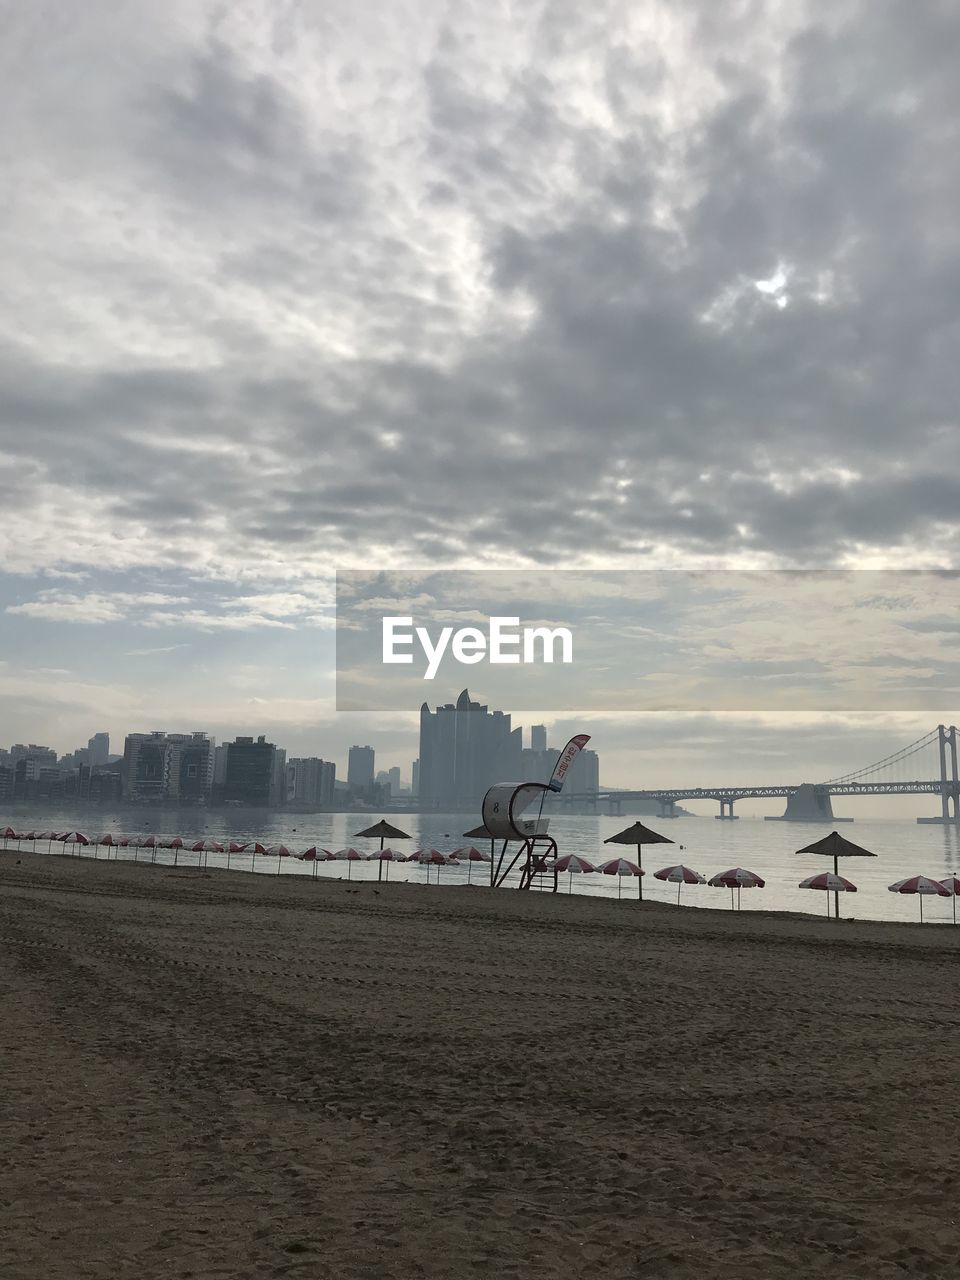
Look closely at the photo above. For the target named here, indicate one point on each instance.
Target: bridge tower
(949, 782)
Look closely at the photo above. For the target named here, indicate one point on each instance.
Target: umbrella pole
(954, 908)
(619, 886)
(738, 897)
(679, 887)
(639, 878)
(920, 896)
(731, 897)
(828, 906)
(836, 895)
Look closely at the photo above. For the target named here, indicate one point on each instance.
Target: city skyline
(302, 781)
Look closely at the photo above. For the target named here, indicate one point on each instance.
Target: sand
(211, 1074)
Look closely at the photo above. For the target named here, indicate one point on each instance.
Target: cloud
(655, 284)
(93, 608)
(677, 284)
(149, 653)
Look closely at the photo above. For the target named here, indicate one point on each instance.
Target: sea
(706, 845)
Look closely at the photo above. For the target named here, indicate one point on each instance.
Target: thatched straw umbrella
(386, 832)
(835, 846)
(638, 835)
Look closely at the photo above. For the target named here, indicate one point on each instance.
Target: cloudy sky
(291, 286)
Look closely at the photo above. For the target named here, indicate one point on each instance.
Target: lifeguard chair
(503, 806)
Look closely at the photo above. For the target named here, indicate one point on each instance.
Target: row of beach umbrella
(110, 840)
(737, 878)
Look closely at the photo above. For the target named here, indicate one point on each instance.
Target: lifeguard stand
(503, 806)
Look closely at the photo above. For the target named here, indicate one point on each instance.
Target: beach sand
(211, 1074)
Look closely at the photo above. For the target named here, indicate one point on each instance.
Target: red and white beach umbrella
(204, 847)
(151, 843)
(432, 858)
(620, 867)
(8, 833)
(831, 881)
(951, 884)
(679, 875)
(74, 838)
(106, 841)
(349, 856)
(176, 843)
(278, 851)
(573, 864)
(135, 843)
(470, 855)
(387, 855)
(234, 846)
(737, 878)
(921, 886)
(314, 855)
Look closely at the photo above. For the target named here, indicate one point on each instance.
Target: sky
(290, 287)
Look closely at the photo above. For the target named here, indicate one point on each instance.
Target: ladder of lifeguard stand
(540, 868)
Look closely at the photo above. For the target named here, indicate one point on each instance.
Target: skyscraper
(538, 737)
(360, 769)
(255, 772)
(98, 749)
(167, 766)
(582, 776)
(310, 781)
(464, 749)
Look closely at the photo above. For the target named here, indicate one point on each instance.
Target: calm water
(903, 849)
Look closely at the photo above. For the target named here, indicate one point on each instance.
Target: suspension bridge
(927, 766)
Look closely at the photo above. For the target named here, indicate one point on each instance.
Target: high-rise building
(464, 749)
(582, 776)
(255, 773)
(145, 766)
(167, 766)
(45, 757)
(393, 779)
(220, 765)
(310, 781)
(415, 778)
(360, 768)
(538, 737)
(98, 749)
